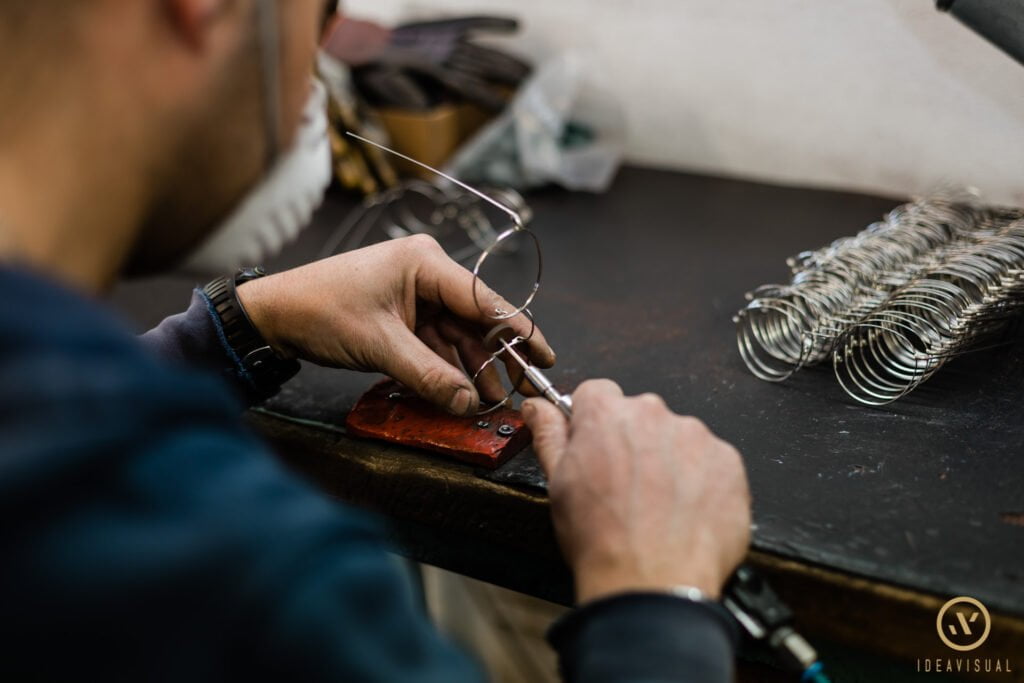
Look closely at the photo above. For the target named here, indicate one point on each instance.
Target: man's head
(167, 100)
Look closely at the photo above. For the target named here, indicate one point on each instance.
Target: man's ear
(192, 18)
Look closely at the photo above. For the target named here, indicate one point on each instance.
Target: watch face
(246, 274)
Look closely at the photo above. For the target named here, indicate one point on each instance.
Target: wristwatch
(261, 365)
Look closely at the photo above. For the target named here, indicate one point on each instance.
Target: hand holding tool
(747, 597)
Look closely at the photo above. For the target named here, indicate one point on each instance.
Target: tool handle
(763, 615)
(542, 384)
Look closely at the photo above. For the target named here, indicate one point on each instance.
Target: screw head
(483, 424)
(506, 430)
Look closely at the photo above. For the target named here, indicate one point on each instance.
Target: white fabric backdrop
(887, 96)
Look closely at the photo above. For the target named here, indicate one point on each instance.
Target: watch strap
(258, 362)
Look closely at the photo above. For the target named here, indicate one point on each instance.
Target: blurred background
(883, 96)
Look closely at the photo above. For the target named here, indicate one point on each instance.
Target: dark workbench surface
(641, 285)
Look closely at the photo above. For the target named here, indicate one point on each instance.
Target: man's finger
(412, 363)
(444, 282)
(473, 355)
(436, 343)
(594, 395)
(517, 377)
(550, 432)
(474, 359)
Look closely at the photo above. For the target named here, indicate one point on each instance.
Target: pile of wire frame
(457, 218)
(891, 305)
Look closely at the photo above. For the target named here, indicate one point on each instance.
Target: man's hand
(400, 307)
(642, 499)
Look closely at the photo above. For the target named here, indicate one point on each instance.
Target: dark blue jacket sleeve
(645, 637)
(146, 535)
(196, 338)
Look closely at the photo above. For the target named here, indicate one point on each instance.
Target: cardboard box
(431, 136)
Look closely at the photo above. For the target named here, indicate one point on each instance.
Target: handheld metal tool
(540, 382)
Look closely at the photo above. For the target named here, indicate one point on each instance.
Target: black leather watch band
(265, 368)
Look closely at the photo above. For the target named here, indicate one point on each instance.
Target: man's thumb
(550, 431)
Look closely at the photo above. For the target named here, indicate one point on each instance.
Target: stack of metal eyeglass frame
(892, 304)
(455, 217)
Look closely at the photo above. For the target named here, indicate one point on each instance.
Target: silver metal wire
(497, 356)
(480, 288)
(418, 207)
(891, 305)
